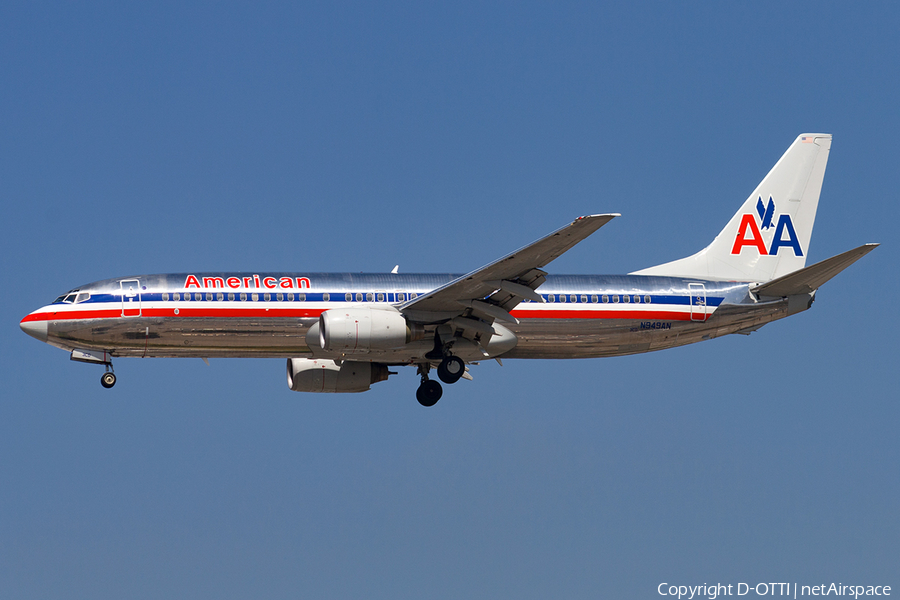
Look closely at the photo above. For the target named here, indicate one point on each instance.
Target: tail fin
(769, 236)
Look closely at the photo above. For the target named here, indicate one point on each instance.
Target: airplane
(344, 332)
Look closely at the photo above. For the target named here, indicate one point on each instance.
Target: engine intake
(326, 376)
(359, 330)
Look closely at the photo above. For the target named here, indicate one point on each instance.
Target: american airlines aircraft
(342, 332)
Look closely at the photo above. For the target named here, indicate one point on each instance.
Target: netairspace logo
(713, 591)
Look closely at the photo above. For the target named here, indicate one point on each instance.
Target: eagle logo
(766, 212)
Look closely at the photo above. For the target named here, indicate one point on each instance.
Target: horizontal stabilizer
(808, 279)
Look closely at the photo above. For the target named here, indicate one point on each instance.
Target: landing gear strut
(429, 391)
(451, 368)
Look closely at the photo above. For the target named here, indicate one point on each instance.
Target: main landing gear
(450, 370)
(429, 391)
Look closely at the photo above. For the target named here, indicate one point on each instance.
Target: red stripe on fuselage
(75, 315)
(643, 315)
(208, 312)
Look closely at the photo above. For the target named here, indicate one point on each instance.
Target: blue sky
(307, 137)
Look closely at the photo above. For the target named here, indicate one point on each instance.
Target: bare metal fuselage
(582, 316)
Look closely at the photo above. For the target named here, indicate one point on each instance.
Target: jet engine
(361, 329)
(317, 375)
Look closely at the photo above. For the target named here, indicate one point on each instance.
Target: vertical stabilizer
(769, 236)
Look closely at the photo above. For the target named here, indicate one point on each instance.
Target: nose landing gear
(108, 379)
(97, 357)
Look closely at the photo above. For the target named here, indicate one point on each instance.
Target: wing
(495, 289)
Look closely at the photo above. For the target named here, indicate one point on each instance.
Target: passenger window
(562, 297)
(626, 298)
(637, 298)
(267, 296)
(401, 297)
(647, 299)
(326, 296)
(291, 297)
(551, 297)
(615, 299)
(209, 296)
(359, 296)
(381, 297)
(243, 296)
(370, 297)
(301, 297)
(176, 296)
(413, 295)
(220, 296)
(573, 298)
(605, 299)
(165, 296)
(348, 297)
(594, 298)
(187, 296)
(231, 296)
(254, 297)
(584, 299)
(280, 296)
(198, 296)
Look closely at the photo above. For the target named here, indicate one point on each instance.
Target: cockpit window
(82, 297)
(68, 297)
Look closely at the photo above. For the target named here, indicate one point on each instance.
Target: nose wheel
(108, 379)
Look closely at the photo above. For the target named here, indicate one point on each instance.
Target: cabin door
(131, 297)
(698, 301)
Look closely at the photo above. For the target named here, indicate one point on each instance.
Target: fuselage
(269, 315)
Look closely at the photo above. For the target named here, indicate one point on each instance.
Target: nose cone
(36, 329)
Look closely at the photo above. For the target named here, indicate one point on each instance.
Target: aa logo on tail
(749, 233)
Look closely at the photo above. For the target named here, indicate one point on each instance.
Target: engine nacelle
(317, 375)
(361, 329)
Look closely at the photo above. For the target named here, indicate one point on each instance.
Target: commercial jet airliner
(343, 332)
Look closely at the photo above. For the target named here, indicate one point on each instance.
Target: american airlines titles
(250, 281)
